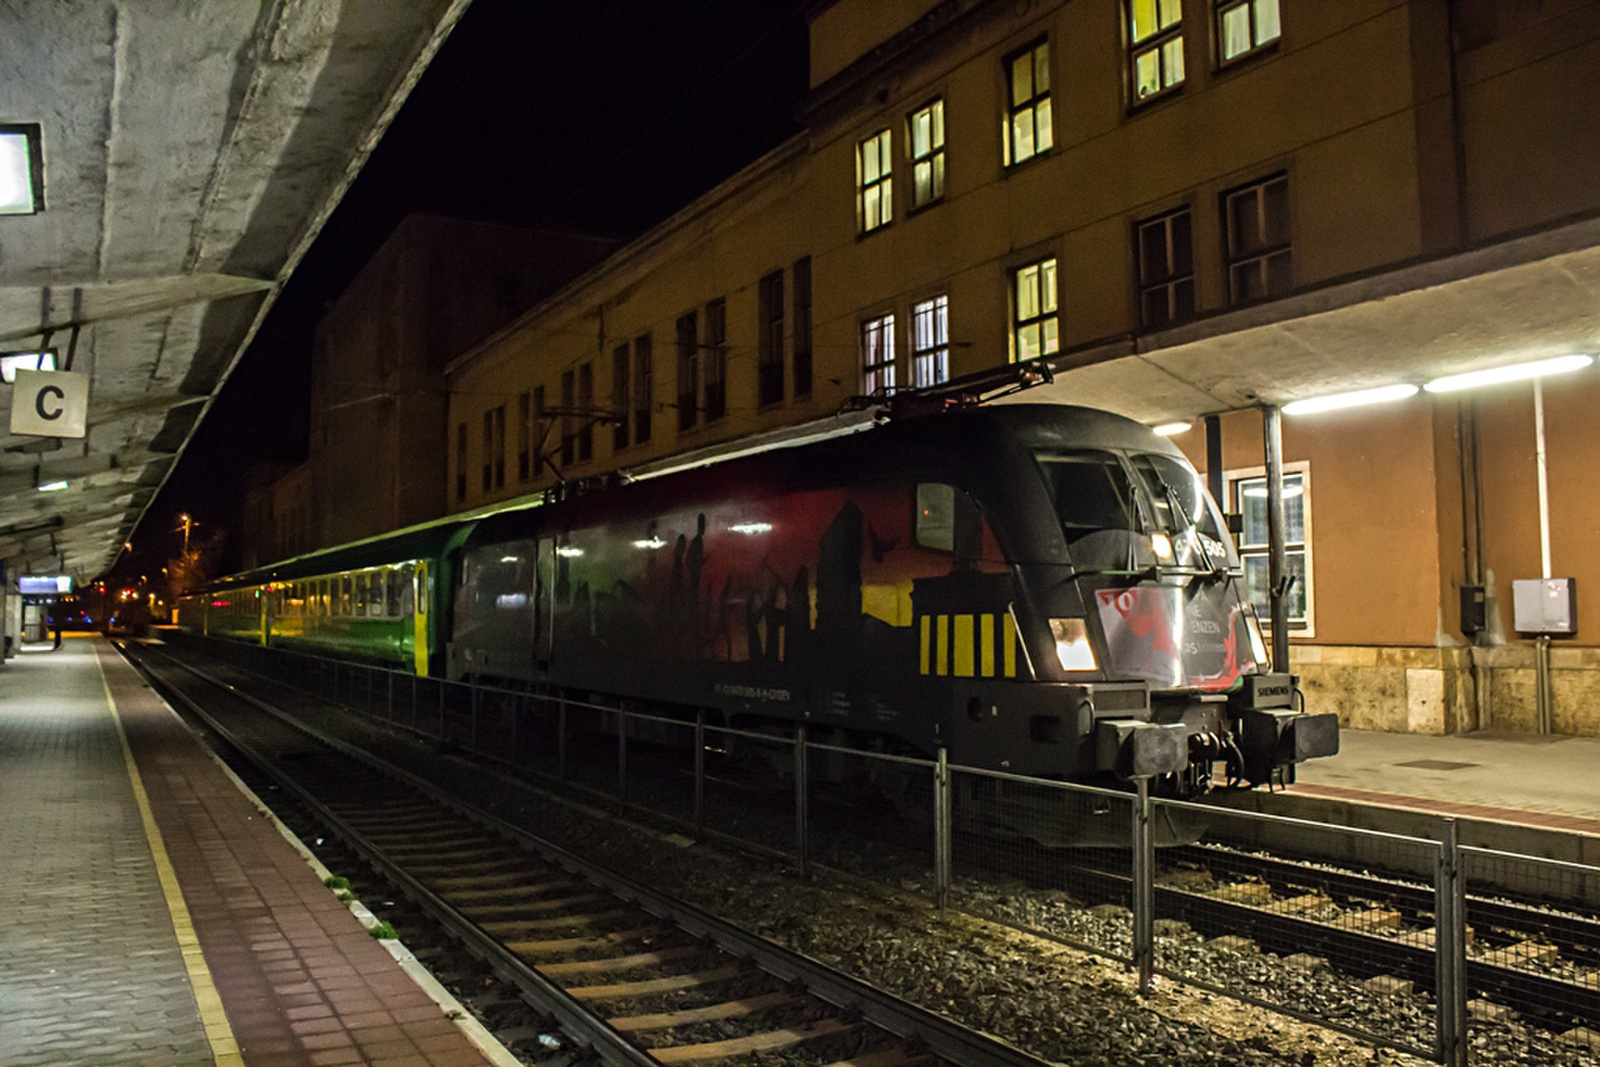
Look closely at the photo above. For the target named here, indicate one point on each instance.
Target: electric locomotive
(1037, 589)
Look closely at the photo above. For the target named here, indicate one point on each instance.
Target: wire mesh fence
(1406, 942)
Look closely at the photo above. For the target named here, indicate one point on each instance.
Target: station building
(1193, 208)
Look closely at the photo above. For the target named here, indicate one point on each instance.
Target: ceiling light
(53, 487)
(21, 169)
(11, 362)
(1334, 402)
(1514, 372)
(1259, 492)
(1168, 429)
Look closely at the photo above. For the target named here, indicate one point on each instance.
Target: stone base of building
(1449, 690)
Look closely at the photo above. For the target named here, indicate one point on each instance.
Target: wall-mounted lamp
(21, 169)
(1514, 372)
(11, 362)
(1383, 394)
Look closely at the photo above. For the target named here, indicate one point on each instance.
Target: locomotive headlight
(1258, 644)
(1072, 645)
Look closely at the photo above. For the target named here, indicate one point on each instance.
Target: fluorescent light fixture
(1290, 491)
(650, 542)
(53, 487)
(21, 169)
(11, 362)
(751, 529)
(1169, 429)
(1514, 372)
(568, 551)
(1383, 394)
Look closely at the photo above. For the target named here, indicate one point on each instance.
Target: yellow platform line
(224, 1047)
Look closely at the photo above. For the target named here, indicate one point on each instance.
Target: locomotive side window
(947, 520)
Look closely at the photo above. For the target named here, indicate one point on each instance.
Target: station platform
(150, 914)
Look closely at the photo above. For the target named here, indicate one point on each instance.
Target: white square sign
(50, 403)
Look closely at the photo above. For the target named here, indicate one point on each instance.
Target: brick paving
(89, 965)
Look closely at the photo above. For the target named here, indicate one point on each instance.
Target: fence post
(622, 755)
(1450, 947)
(561, 737)
(941, 830)
(802, 835)
(700, 773)
(1144, 949)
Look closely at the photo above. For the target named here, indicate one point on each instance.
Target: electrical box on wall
(1474, 617)
(1545, 606)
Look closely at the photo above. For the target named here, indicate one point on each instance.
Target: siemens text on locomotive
(1038, 589)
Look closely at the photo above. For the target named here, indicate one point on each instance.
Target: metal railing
(1422, 955)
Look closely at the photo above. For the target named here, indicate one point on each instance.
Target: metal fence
(1403, 954)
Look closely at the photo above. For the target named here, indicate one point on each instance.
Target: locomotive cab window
(1179, 506)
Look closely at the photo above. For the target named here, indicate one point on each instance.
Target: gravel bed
(1055, 1001)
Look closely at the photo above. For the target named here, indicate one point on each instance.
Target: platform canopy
(191, 151)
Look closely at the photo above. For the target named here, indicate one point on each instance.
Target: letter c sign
(50, 404)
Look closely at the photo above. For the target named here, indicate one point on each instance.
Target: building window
(461, 462)
(1028, 120)
(1166, 270)
(877, 356)
(1035, 330)
(925, 131)
(874, 182)
(540, 429)
(1155, 46)
(802, 327)
(769, 332)
(1249, 491)
(524, 437)
(494, 448)
(620, 397)
(585, 411)
(1246, 25)
(715, 351)
(644, 374)
(1258, 240)
(930, 342)
(688, 327)
(569, 425)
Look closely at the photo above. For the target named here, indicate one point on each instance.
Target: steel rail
(945, 1039)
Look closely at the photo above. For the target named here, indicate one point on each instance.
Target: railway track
(633, 975)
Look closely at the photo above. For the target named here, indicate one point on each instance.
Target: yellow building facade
(1192, 208)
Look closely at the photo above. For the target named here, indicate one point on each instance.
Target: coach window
(1028, 121)
(1155, 46)
(375, 594)
(1244, 26)
(1035, 330)
(1248, 491)
(345, 587)
(359, 598)
(392, 591)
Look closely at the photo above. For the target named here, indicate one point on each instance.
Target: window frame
(876, 189)
(934, 356)
(1052, 314)
(715, 365)
(1154, 44)
(1257, 46)
(586, 411)
(880, 374)
(1174, 279)
(1262, 256)
(1234, 482)
(769, 339)
(621, 396)
(687, 328)
(1036, 101)
(932, 158)
(644, 375)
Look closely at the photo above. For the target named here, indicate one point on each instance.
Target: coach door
(419, 618)
(544, 604)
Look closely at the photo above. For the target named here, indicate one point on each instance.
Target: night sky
(599, 116)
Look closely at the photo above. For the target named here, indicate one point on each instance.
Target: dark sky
(601, 116)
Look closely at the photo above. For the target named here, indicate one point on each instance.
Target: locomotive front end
(1152, 619)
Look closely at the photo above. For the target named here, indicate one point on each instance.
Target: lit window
(21, 169)
(926, 136)
(1166, 270)
(1035, 329)
(1028, 130)
(1258, 240)
(877, 355)
(1246, 25)
(874, 184)
(930, 342)
(1250, 500)
(1155, 40)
